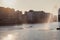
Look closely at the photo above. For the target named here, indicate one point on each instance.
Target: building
(37, 16)
(19, 17)
(9, 16)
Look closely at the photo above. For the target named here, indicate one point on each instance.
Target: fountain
(48, 22)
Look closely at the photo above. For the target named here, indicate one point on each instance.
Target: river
(45, 31)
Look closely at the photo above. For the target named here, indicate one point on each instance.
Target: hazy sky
(45, 5)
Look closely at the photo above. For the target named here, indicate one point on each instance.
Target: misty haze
(29, 19)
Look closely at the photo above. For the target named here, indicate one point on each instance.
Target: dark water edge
(50, 26)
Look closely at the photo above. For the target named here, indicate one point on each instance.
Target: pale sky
(50, 6)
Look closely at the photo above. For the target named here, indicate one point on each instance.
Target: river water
(46, 31)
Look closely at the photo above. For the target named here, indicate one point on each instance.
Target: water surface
(26, 32)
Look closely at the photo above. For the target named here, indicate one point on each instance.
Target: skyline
(50, 6)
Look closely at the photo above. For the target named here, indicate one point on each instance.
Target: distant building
(37, 16)
(19, 16)
(29, 16)
(9, 16)
(55, 18)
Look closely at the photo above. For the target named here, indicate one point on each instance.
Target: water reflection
(36, 32)
(30, 35)
(58, 34)
(8, 37)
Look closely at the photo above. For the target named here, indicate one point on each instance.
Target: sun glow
(9, 3)
(8, 37)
